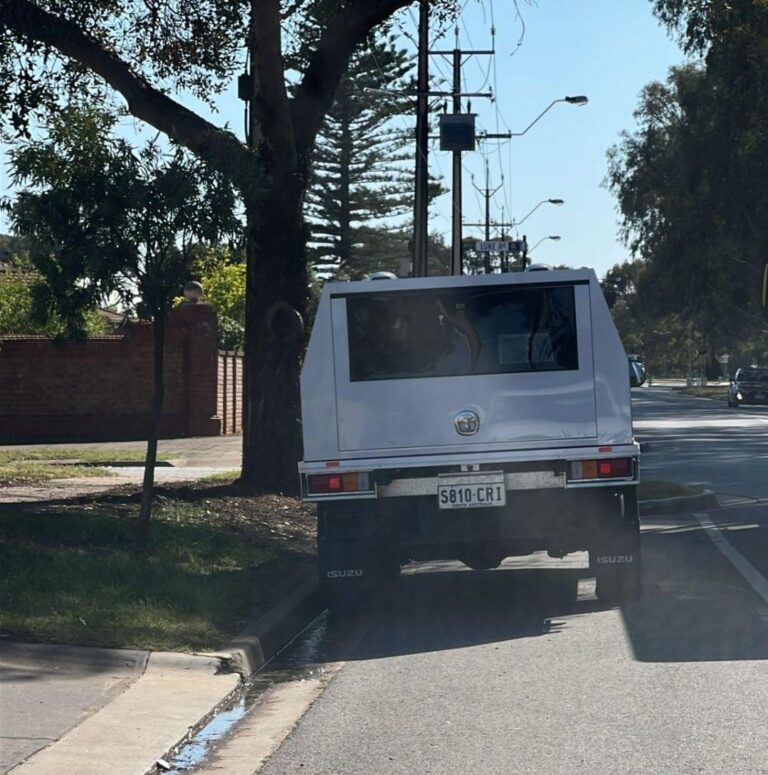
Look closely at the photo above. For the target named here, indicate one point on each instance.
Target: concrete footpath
(90, 711)
(192, 459)
(86, 710)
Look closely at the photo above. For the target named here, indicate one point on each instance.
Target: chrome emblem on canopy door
(467, 423)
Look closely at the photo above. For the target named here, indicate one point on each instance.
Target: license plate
(473, 491)
(759, 396)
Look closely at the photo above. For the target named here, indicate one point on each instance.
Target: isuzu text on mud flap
(469, 418)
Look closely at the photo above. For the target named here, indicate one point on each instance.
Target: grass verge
(29, 465)
(216, 558)
(74, 454)
(705, 391)
(32, 472)
(222, 477)
(657, 489)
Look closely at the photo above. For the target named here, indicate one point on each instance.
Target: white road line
(754, 578)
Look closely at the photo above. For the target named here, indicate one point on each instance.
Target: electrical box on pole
(457, 132)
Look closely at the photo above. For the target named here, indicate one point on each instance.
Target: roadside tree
(146, 52)
(103, 221)
(360, 182)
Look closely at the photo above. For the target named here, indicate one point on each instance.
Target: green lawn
(34, 472)
(78, 454)
(26, 465)
(706, 391)
(68, 575)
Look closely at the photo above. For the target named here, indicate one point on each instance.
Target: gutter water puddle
(299, 660)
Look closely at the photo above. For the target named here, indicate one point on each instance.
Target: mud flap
(356, 554)
(616, 557)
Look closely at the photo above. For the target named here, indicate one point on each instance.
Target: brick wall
(101, 388)
(230, 393)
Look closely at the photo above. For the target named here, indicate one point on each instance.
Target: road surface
(493, 672)
(699, 440)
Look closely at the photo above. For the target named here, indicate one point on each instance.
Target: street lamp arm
(543, 202)
(578, 100)
(554, 237)
(537, 119)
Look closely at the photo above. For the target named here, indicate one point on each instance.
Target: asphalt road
(495, 672)
(699, 440)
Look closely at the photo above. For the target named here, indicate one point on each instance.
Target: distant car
(637, 372)
(748, 386)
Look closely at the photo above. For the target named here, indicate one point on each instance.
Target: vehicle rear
(467, 417)
(749, 386)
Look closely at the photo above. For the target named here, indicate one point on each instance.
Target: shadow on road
(695, 606)
(426, 612)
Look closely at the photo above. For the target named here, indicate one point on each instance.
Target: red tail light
(328, 484)
(613, 468)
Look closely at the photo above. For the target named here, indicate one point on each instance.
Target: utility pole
(421, 198)
(456, 247)
(487, 193)
(456, 94)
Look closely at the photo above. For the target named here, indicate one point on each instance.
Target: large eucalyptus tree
(153, 54)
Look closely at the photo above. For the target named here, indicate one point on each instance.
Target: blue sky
(605, 49)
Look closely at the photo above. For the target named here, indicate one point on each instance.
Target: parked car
(637, 372)
(748, 386)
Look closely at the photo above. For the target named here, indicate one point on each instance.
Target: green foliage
(13, 250)
(672, 344)
(102, 219)
(192, 47)
(694, 210)
(17, 306)
(362, 178)
(224, 287)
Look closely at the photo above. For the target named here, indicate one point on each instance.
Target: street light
(578, 100)
(554, 237)
(556, 202)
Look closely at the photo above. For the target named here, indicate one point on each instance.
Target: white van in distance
(472, 418)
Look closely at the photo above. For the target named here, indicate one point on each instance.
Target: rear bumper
(415, 477)
(565, 520)
(457, 460)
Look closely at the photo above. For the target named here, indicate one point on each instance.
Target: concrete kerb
(701, 502)
(173, 698)
(252, 648)
(261, 640)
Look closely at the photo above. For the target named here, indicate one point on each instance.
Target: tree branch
(344, 32)
(270, 110)
(220, 148)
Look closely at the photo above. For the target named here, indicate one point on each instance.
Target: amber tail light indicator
(329, 484)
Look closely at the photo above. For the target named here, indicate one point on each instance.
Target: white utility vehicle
(471, 418)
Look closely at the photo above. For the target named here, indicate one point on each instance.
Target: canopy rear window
(461, 332)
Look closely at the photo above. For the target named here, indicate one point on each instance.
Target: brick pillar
(197, 325)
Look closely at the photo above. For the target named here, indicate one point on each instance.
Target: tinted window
(752, 375)
(461, 332)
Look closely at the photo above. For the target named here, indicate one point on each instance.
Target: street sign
(495, 246)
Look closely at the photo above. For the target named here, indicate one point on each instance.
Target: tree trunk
(276, 304)
(141, 534)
